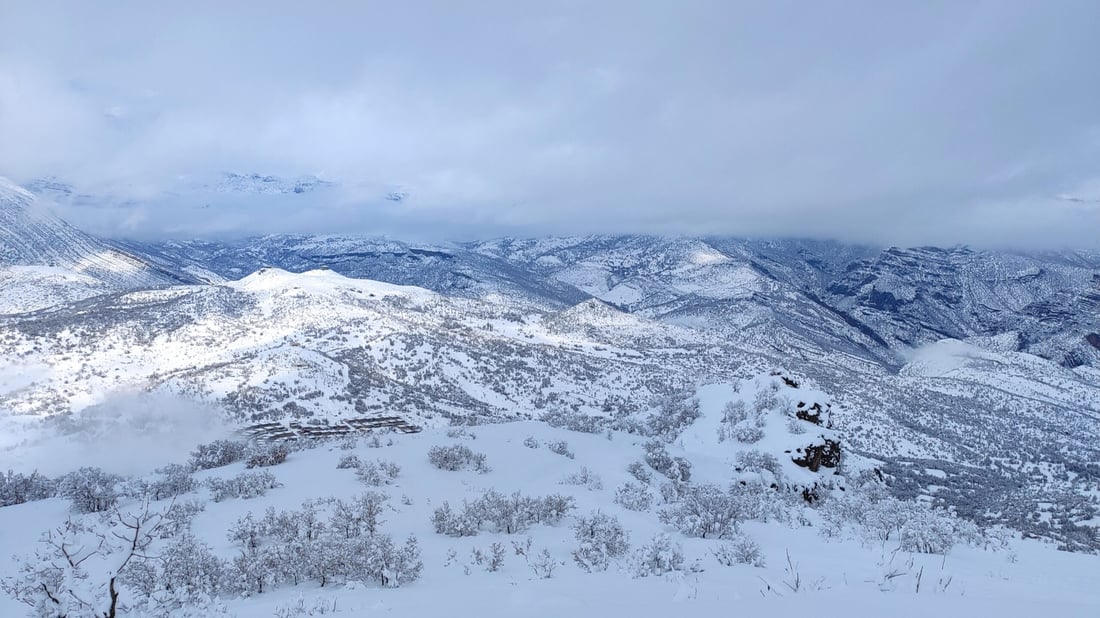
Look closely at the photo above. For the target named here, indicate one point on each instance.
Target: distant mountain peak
(234, 182)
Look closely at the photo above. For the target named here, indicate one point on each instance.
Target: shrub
(705, 511)
(747, 432)
(673, 491)
(176, 480)
(585, 477)
(766, 399)
(530, 442)
(217, 454)
(733, 413)
(543, 564)
(17, 488)
(492, 560)
(674, 413)
(294, 547)
(457, 457)
(348, 461)
(245, 485)
(914, 525)
(601, 537)
(756, 461)
(740, 550)
(189, 571)
(634, 497)
(264, 455)
(376, 474)
(91, 490)
(561, 447)
(795, 426)
(508, 514)
(178, 517)
(661, 555)
(360, 516)
(575, 421)
(639, 471)
(675, 468)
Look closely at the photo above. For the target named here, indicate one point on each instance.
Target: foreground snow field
(803, 572)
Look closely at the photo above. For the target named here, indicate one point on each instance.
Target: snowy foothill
(530, 518)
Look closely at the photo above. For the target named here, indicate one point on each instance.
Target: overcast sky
(884, 122)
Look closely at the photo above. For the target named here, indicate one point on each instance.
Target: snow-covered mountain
(949, 378)
(44, 260)
(890, 299)
(318, 347)
(449, 269)
(783, 295)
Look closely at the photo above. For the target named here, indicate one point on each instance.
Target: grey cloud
(934, 122)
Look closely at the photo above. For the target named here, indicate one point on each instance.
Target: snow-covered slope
(316, 347)
(30, 288)
(781, 557)
(31, 236)
(968, 377)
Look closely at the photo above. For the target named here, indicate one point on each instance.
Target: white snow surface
(838, 577)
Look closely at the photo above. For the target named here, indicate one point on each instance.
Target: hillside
(79, 265)
(954, 388)
(777, 555)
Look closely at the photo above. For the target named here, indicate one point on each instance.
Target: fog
(128, 433)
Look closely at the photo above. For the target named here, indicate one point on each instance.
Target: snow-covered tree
(178, 517)
(91, 490)
(351, 460)
(184, 574)
(175, 480)
(640, 472)
(508, 514)
(81, 569)
(362, 515)
(17, 488)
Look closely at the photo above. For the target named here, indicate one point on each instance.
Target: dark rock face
(817, 456)
(1093, 339)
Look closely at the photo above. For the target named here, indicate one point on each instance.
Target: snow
(837, 576)
(31, 288)
(135, 374)
(318, 282)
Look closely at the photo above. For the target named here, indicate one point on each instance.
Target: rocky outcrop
(824, 454)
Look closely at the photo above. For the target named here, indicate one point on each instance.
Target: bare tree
(57, 582)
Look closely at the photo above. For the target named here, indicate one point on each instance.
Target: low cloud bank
(129, 433)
